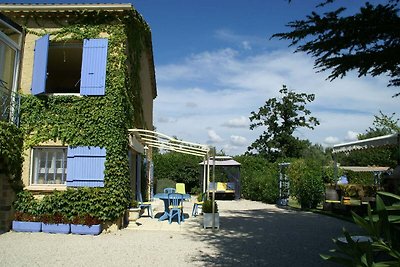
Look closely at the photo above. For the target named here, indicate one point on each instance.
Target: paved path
(251, 234)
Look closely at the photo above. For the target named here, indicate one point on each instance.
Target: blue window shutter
(86, 166)
(70, 165)
(39, 73)
(94, 63)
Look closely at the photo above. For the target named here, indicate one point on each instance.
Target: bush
(259, 179)
(306, 183)
(207, 206)
(178, 167)
(164, 183)
(363, 178)
(26, 203)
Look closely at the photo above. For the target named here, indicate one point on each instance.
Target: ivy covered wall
(100, 121)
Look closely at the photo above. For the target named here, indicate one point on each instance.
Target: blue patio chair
(169, 190)
(175, 201)
(145, 205)
(198, 203)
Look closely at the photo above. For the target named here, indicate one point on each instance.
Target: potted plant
(55, 223)
(26, 217)
(133, 212)
(209, 216)
(85, 224)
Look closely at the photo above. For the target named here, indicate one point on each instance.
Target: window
(64, 67)
(85, 166)
(69, 67)
(49, 166)
(10, 45)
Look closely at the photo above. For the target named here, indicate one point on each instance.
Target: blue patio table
(164, 197)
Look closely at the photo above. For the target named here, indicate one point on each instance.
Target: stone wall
(7, 196)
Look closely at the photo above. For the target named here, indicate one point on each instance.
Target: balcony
(9, 104)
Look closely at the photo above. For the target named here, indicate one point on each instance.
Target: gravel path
(251, 234)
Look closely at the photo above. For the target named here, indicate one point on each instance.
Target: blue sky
(215, 63)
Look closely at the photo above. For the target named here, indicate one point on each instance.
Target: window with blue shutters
(86, 166)
(77, 67)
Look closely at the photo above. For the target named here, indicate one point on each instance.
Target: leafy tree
(281, 117)
(178, 167)
(382, 125)
(367, 41)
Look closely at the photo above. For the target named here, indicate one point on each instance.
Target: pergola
(380, 141)
(141, 139)
(231, 167)
(386, 140)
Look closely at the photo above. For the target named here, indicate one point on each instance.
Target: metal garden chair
(169, 190)
(145, 205)
(175, 201)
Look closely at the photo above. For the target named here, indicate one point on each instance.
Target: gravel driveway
(251, 234)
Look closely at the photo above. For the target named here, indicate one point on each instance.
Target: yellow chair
(180, 188)
(198, 203)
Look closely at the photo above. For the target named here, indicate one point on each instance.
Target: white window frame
(17, 48)
(49, 171)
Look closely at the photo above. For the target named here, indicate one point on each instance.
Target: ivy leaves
(96, 121)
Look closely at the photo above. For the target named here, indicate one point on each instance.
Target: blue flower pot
(21, 226)
(56, 228)
(81, 229)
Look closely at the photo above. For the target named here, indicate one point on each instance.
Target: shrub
(363, 178)
(381, 228)
(134, 204)
(164, 183)
(259, 179)
(177, 167)
(207, 206)
(26, 203)
(306, 183)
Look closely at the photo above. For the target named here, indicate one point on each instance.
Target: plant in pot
(26, 217)
(133, 213)
(208, 216)
(55, 223)
(85, 224)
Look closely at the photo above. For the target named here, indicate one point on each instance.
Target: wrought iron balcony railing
(9, 104)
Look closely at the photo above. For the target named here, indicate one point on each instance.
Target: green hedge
(177, 167)
(306, 182)
(259, 179)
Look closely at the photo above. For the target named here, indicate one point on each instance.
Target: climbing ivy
(96, 121)
(11, 153)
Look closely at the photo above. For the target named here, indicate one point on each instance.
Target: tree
(281, 117)
(367, 41)
(382, 125)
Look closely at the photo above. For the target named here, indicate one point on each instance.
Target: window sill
(63, 94)
(47, 187)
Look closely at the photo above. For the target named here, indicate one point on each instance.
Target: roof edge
(62, 7)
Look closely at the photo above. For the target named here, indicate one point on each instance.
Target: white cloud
(191, 104)
(351, 136)
(246, 45)
(238, 140)
(224, 86)
(214, 137)
(331, 140)
(240, 122)
(240, 40)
